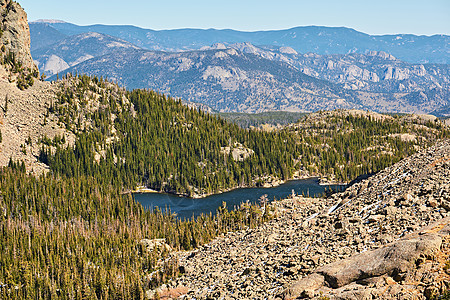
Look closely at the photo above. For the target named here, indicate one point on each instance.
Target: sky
(421, 17)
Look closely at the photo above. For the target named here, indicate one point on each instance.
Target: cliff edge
(16, 60)
(24, 100)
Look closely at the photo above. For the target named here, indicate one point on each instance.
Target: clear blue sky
(370, 16)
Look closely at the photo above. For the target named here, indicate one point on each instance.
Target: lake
(185, 207)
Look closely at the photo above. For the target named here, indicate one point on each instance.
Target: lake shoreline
(184, 207)
(266, 185)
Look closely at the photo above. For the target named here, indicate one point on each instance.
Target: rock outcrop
(371, 272)
(24, 101)
(381, 54)
(238, 152)
(155, 244)
(15, 33)
(315, 240)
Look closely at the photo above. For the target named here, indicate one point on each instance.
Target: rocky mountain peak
(381, 54)
(216, 46)
(15, 38)
(288, 50)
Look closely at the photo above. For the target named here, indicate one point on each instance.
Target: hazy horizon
(280, 29)
(375, 18)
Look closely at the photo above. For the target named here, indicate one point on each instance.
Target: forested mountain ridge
(144, 138)
(341, 145)
(195, 153)
(345, 144)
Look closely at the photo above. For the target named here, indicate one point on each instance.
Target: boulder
(394, 260)
(396, 257)
(305, 287)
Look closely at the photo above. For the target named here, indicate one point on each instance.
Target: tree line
(79, 238)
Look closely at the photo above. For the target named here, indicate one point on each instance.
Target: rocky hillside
(73, 50)
(314, 39)
(309, 234)
(25, 121)
(415, 266)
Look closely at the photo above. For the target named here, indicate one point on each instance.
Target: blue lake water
(185, 207)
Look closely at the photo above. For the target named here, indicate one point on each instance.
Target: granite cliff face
(15, 32)
(24, 100)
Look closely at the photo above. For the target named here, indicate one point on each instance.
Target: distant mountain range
(316, 39)
(225, 70)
